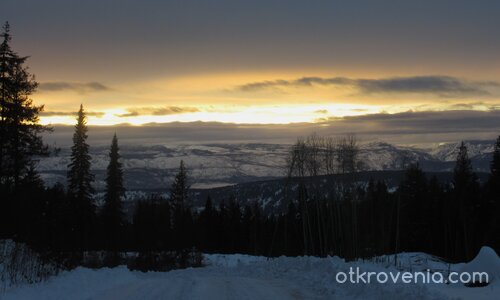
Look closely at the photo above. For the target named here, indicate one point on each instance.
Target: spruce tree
(465, 193)
(80, 188)
(112, 214)
(179, 189)
(415, 207)
(79, 176)
(206, 223)
(20, 131)
(181, 213)
(463, 174)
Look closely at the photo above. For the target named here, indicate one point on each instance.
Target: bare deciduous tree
(317, 155)
(347, 153)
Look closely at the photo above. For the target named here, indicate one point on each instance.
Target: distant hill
(150, 167)
(273, 195)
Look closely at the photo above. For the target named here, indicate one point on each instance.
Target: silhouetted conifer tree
(415, 208)
(112, 215)
(182, 218)
(207, 224)
(179, 189)
(463, 174)
(20, 130)
(80, 180)
(79, 176)
(465, 193)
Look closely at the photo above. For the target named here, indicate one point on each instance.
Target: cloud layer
(443, 86)
(407, 127)
(159, 111)
(69, 113)
(77, 87)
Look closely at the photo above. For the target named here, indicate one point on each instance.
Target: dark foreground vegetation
(63, 223)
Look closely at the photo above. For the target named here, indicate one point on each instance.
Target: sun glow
(272, 114)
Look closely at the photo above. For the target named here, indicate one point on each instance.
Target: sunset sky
(382, 65)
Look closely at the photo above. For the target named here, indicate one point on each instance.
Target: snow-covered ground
(250, 277)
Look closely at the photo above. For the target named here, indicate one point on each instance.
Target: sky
(385, 68)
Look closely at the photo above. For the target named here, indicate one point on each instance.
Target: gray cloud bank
(77, 87)
(444, 86)
(159, 111)
(70, 113)
(402, 128)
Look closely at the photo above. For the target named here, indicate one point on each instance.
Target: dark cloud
(70, 113)
(304, 81)
(470, 106)
(426, 122)
(173, 110)
(81, 88)
(444, 86)
(161, 111)
(440, 85)
(129, 114)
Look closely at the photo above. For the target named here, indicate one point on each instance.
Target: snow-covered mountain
(379, 156)
(150, 167)
(475, 149)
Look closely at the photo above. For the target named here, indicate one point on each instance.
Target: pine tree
(465, 193)
(80, 188)
(112, 214)
(20, 130)
(179, 189)
(114, 182)
(415, 207)
(181, 213)
(206, 223)
(463, 174)
(79, 176)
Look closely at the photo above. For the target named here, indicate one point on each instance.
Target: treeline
(451, 220)
(448, 219)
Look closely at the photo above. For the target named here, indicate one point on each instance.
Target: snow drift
(487, 261)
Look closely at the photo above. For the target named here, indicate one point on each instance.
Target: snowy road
(202, 287)
(241, 277)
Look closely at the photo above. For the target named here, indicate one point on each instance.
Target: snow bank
(230, 260)
(80, 283)
(21, 265)
(487, 261)
(249, 277)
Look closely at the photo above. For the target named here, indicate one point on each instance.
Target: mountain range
(152, 167)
